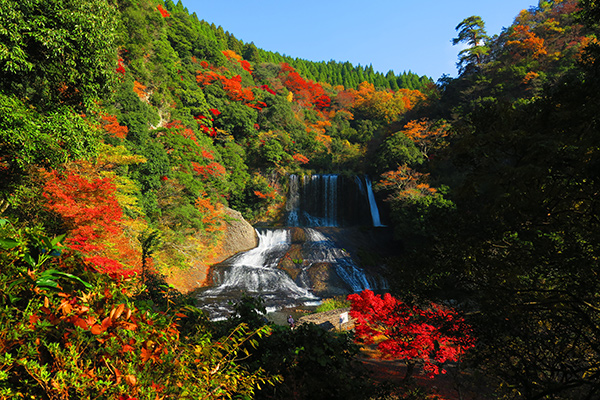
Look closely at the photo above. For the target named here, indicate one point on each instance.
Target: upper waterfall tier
(331, 200)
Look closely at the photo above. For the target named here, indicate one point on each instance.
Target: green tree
(471, 31)
(58, 52)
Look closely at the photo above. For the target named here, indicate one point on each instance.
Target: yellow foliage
(325, 139)
(232, 54)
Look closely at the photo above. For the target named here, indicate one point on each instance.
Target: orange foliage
(261, 195)
(385, 105)
(207, 154)
(406, 183)
(325, 139)
(212, 214)
(526, 41)
(424, 134)
(530, 76)
(306, 93)
(232, 86)
(111, 125)
(177, 128)
(162, 11)
(300, 158)
(232, 54)
(212, 170)
(320, 126)
(89, 208)
(139, 89)
(410, 97)
(585, 42)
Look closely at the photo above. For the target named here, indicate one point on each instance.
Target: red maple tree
(89, 208)
(434, 334)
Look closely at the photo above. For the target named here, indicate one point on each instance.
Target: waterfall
(315, 203)
(286, 274)
(373, 204)
(323, 250)
(255, 272)
(293, 202)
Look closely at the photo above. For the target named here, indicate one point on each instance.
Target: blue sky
(398, 35)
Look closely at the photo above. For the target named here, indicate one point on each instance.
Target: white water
(293, 202)
(320, 194)
(255, 271)
(323, 250)
(312, 201)
(373, 204)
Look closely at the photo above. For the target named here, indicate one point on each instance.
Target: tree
(471, 31)
(434, 334)
(425, 134)
(57, 52)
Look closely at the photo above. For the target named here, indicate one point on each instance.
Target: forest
(131, 129)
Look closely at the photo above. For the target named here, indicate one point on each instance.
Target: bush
(79, 334)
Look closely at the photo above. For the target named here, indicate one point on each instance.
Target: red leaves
(212, 170)
(300, 158)
(178, 128)
(89, 207)
(246, 65)
(268, 89)
(526, 42)
(111, 126)
(212, 214)
(306, 93)
(207, 154)
(433, 334)
(261, 195)
(163, 12)
(120, 67)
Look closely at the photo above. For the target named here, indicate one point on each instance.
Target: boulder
(238, 236)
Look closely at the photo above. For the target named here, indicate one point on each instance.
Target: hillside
(135, 138)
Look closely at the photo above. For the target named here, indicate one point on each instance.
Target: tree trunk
(410, 367)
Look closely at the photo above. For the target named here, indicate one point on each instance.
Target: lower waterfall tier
(289, 267)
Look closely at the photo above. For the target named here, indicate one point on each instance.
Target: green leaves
(8, 244)
(50, 278)
(57, 52)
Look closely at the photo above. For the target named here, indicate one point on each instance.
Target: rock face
(238, 236)
(312, 264)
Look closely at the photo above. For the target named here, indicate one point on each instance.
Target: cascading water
(286, 272)
(367, 190)
(331, 201)
(321, 249)
(373, 204)
(255, 272)
(314, 202)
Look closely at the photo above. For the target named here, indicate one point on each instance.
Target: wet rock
(325, 282)
(292, 262)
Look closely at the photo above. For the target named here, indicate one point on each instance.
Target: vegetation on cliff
(127, 127)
